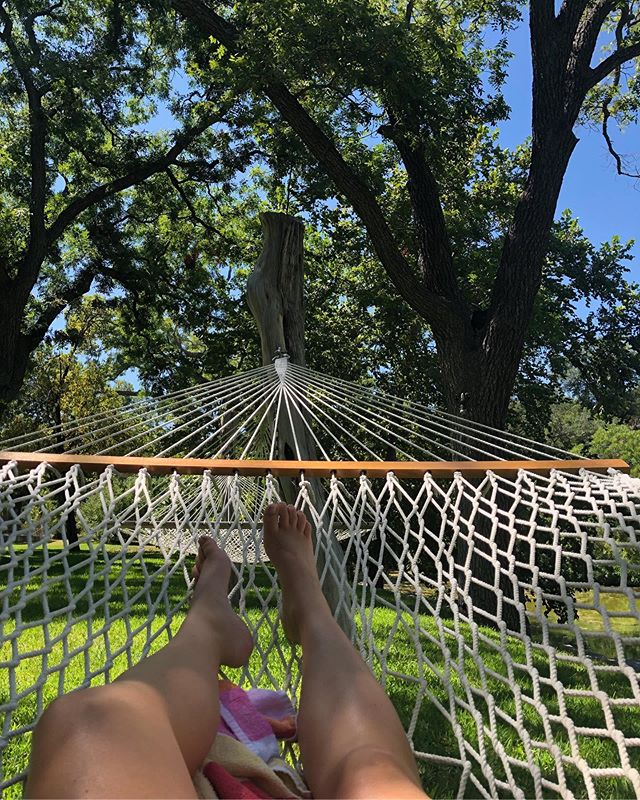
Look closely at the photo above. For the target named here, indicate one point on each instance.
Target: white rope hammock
(501, 614)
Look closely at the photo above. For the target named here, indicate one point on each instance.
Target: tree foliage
(398, 106)
(80, 87)
(618, 441)
(571, 427)
(391, 102)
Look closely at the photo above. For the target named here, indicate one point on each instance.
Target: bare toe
(271, 517)
(293, 516)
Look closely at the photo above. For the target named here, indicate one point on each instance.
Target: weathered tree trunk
(275, 288)
(276, 299)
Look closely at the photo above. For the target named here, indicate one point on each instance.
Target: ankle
(315, 620)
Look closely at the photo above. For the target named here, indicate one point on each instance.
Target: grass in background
(97, 639)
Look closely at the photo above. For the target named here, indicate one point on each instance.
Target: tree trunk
(275, 288)
(71, 529)
(14, 349)
(477, 384)
(276, 299)
(480, 355)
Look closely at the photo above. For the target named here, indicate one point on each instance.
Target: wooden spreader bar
(342, 469)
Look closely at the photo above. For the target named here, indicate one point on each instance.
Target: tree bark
(276, 298)
(275, 288)
(14, 347)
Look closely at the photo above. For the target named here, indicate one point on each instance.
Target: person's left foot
(211, 604)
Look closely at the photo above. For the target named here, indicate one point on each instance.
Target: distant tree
(618, 441)
(572, 427)
(389, 100)
(69, 378)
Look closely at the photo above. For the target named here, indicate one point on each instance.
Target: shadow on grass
(77, 581)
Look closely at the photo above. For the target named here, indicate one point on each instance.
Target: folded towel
(275, 779)
(277, 709)
(240, 719)
(244, 760)
(225, 785)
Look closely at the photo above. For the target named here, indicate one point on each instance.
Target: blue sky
(605, 203)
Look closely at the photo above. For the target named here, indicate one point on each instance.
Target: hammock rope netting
(501, 612)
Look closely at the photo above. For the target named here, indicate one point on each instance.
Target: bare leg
(351, 739)
(145, 734)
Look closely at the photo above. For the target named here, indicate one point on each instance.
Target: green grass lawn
(488, 683)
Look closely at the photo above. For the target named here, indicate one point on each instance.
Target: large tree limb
(611, 63)
(135, 176)
(438, 270)
(581, 48)
(37, 141)
(579, 13)
(203, 15)
(622, 53)
(430, 305)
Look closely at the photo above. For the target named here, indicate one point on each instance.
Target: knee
(81, 714)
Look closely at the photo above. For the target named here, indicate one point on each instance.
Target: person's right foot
(288, 543)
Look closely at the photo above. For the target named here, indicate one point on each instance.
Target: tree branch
(571, 14)
(432, 307)
(625, 19)
(438, 270)
(206, 18)
(606, 115)
(29, 23)
(581, 46)
(37, 144)
(194, 216)
(408, 13)
(76, 289)
(611, 63)
(132, 178)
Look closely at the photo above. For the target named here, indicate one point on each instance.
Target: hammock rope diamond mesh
(500, 612)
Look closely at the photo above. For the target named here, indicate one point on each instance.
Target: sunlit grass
(485, 683)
